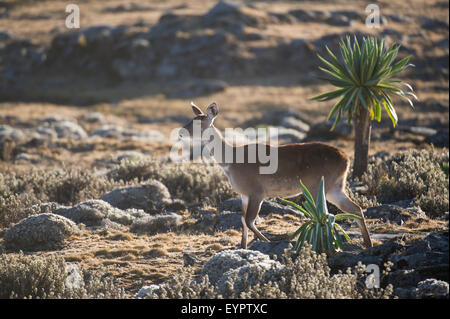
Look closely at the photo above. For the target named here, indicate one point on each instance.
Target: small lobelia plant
(321, 231)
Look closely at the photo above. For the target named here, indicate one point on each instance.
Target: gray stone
(230, 220)
(227, 260)
(347, 259)
(94, 117)
(69, 129)
(94, 212)
(151, 196)
(156, 224)
(272, 248)
(197, 88)
(40, 232)
(130, 156)
(147, 290)
(393, 213)
(294, 123)
(223, 8)
(74, 277)
(27, 158)
(14, 134)
(432, 288)
(322, 130)
(440, 139)
(267, 207)
(109, 131)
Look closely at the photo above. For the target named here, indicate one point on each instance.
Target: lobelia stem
(363, 127)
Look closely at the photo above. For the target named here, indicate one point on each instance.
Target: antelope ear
(196, 109)
(212, 110)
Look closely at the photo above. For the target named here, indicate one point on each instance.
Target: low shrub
(305, 275)
(192, 182)
(411, 175)
(48, 277)
(65, 186)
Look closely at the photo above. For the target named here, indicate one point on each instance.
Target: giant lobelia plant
(366, 84)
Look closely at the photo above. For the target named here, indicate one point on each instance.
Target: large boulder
(267, 207)
(151, 225)
(233, 270)
(411, 263)
(95, 212)
(432, 288)
(393, 213)
(40, 232)
(151, 197)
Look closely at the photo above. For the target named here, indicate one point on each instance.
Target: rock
(421, 259)
(128, 7)
(67, 129)
(110, 131)
(128, 156)
(228, 220)
(232, 204)
(5, 36)
(41, 232)
(304, 15)
(176, 205)
(94, 117)
(322, 129)
(339, 20)
(347, 259)
(218, 265)
(45, 133)
(155, 224)
(276, 248)
(267, 207)
(417, 130)
(432, 288)
(398, 18)
(150, 196)
(165, 119)
(394, 213)
(147, 290)
(440, 139)
(55, 118)
(74, 277)
(386, 249)
(147, 135)
(279, 118)
(434, 24)
(16, 135)
(189, 259)
(24, 158)
(286, 136)
(226, 13)
(197, 88)
(94, 212)
(237, 280)
(294, 123)
(223, 8)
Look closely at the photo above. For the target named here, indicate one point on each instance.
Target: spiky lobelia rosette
(365, 78)
(321, 231)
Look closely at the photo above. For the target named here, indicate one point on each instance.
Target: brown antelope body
(307, 162)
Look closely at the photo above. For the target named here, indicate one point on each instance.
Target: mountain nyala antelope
(307, 162)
